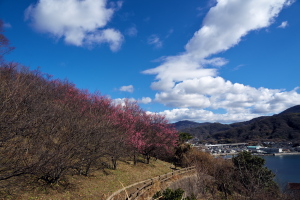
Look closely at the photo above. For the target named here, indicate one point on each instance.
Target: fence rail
(136, 190)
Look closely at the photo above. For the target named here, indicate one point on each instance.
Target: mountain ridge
(283, 127)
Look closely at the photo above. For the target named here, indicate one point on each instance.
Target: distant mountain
(201, 130)
(294, 109)
(284, 126)
(186, 124)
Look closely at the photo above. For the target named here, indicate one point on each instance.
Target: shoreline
(284, 154)
(263, 154)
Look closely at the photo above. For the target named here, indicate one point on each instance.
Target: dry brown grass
(99, 184)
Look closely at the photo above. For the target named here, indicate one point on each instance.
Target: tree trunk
(114, 163)
(148, 159)
(134, 158)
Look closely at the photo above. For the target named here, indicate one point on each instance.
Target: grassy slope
(100, 185)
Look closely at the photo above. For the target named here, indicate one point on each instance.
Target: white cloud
(79, 22)
(190, 82)
(121, 101)
(145, 100)
(230, 20)
(283, 24)
(238, 67)
(239, 107)
(177, 69)
(113, 37)
(290, 2)
(215, 93)
(202, 115)
(128, 88)
(116, 5)
(155, 40)
(216, 62)
(132, 31)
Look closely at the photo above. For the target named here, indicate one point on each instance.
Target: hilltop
(294, 109)
(282, 127)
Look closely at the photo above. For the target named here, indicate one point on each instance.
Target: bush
(170, 194)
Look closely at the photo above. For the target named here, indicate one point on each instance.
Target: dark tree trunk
(114, 163)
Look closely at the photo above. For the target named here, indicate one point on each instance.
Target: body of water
(286, 168)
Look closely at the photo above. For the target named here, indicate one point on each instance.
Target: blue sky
(201, 60)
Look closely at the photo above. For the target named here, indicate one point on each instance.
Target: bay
(285, 167)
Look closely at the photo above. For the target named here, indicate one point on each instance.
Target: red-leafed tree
(138, 130)
(160, 139)
(48, 127)
(100, 135)
(128, 116)
(146, 134)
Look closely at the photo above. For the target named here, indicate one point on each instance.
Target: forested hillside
(202, 130)
(278, 128)
(282, 127)
(50, 128)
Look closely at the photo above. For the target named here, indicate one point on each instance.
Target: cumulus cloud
(283, 24)
(216, 93)
(128, 88)
(230, 20)
(202, 115)
(110, 36)
(79, 22)
(190, 82)
(121, 101)
(155, 41)
(238, 107)
(145, 100)
(236, 112)
(176, 69)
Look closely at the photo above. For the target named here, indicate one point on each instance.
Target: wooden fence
(145, 188)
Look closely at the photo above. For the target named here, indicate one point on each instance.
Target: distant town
(263, 148)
